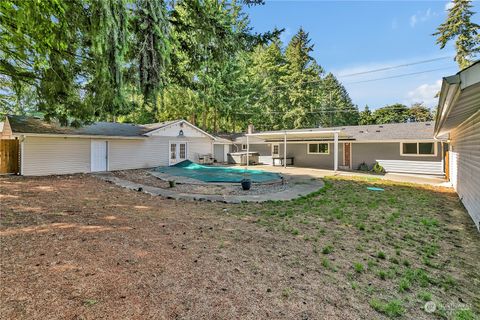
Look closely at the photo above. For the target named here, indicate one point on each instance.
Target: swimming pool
(217, 174)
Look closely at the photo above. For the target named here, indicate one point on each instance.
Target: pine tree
(339, 108)
(459, 26)
(366, 117)
(302, 79)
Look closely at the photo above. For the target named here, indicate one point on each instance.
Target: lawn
(79, 248)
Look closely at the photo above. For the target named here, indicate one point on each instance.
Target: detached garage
(48, 148)
(459, 116)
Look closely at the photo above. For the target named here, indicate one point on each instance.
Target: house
(48, 148)
(458, 116)
(399, 147)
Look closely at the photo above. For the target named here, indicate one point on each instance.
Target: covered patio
(298, 136)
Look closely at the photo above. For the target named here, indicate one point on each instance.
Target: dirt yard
(75, 247)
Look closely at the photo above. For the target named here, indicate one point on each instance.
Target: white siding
(151, 152)
(406, 166)
(465, 165)
(44, 156)
(174, 130)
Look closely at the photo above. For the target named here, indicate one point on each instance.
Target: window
(183, 151)
(418, 149)
(318, 148)
(173, 151)
(244, 147)
(275, 150)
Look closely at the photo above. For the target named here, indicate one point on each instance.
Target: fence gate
(9, 156)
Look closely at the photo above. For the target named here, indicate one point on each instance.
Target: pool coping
(187, 180)
(297, 190)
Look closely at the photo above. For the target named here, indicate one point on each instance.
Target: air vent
(380, 126)
(427, 124)
(377, 130)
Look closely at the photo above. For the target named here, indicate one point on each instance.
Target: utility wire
(393, 67)
(400, 75)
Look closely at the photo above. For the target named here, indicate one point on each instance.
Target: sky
(356, 36)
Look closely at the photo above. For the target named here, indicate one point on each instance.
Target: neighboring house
(458, 116)
(48, 148)
(400, 147)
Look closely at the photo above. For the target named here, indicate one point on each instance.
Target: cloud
(421, 17)
(425, 93)
(413, 21)
(449, 5)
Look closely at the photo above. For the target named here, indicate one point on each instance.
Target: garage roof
(34, 125)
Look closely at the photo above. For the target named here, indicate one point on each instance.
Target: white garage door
(99, 155)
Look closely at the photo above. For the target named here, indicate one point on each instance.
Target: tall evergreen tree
(366, 117)
(338, 107)
(459, 27)
(302, 79)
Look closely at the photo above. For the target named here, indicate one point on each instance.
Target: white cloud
(448, 5)
(421, 17)
(425, 93)
(413, 21)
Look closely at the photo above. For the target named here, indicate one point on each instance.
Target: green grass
(358, 267)
(392, 308)
(393, 247)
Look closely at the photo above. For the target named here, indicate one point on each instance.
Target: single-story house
(48, 148)
(399, 147)
(458, 116)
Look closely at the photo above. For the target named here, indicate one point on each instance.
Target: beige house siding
(45, 155)
(465, 165)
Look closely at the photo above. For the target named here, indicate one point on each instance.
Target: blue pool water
(217, 174)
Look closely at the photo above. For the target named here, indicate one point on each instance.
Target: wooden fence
(9, 156)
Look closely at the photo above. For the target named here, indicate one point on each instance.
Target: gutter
(52, 135)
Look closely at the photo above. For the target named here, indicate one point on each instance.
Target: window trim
(273, 148)
(418, 154)
(322, 153)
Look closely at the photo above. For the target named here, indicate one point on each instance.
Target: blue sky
(357, 36)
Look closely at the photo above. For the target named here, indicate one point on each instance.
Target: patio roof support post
(248, 150)
(335, 151)
(285, 150)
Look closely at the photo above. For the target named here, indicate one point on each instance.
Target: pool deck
(320, 173)
(298, 186)
(300, 181)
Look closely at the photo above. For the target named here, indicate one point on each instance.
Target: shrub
(363, 167)
(377, 168)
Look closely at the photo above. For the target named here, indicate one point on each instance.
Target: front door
(178, 152)
(98, 155)
(347, 155)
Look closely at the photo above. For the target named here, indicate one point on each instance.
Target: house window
(275, 151)
(318, 148)
(244, 147)
(418, 149)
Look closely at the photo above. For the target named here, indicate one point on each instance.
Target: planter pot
(171, 183)
(246, 184)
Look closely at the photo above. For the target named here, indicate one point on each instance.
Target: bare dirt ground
(75, 247)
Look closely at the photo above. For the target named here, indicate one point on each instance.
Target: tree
(301, 83)
(396, 113)
(366, 117)
(339, 108)
(460, 28)
(418, 112)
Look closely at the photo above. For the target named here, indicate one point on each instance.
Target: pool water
(217, 174)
